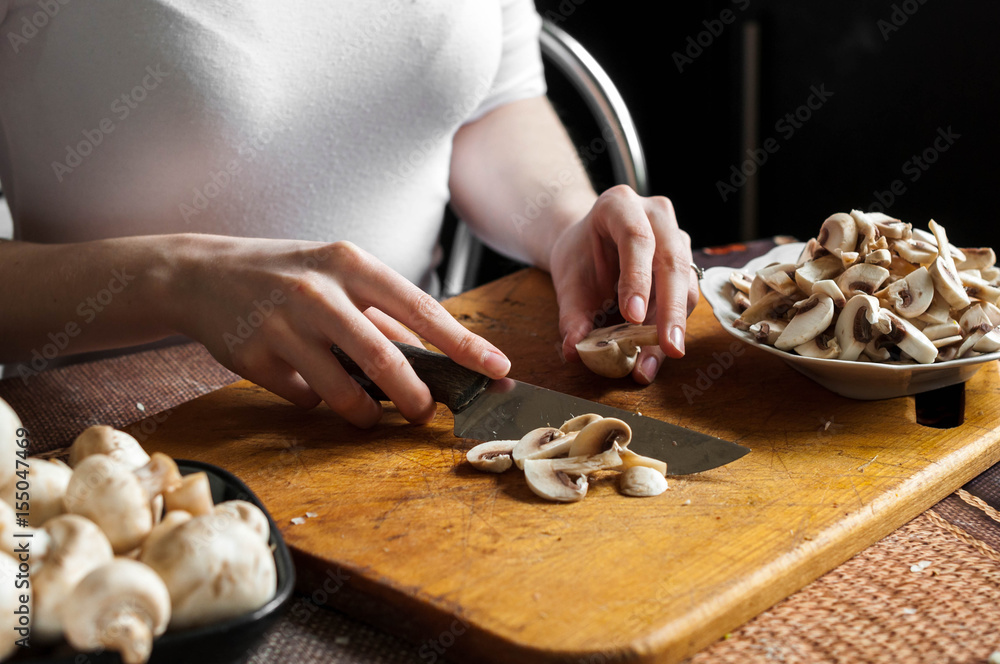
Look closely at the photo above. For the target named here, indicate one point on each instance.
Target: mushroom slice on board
(908, 338)
(492, 456)
(612, 351)
(642, 481)
(861, 278)
(912, 295)
(565, 480)
(120, 606)
(630, 459)
(813, 315)
(600, 436)
(854, 325)
(541, 443)
(578, 422)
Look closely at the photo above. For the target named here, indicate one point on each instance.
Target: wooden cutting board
(473, 565)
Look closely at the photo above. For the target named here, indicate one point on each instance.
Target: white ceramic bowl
(857, 380)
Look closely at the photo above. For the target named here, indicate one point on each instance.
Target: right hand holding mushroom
(271, 309)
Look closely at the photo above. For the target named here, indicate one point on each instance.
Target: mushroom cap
(565, 480)
(541, 443)
(854, 325)
(612, 351)
(600, 436)
(170, 520)
(839, 232)
(76, 546)
(108, 493)
(102, 439)
(121, 606)
(48, 481)
(249, 514)
(9, 602)
(578, 422)
(9, 424)
(492, 456)
(215, 568)
(642, 481)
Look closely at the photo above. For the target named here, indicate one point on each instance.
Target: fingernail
(496, 363)
(636, 309)
(677, 338)
(650, 366)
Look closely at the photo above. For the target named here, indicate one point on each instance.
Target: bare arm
(517, 180)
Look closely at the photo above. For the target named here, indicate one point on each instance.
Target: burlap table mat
(927, 593)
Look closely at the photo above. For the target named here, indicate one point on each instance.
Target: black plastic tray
(213, 644)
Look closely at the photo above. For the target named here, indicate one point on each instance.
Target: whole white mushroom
(46, 481)
(9, 425)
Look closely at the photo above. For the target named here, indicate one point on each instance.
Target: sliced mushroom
(819, 269)
(861, 278)
(780, 277)
(948, 284)
(830, 288)
(838, 233)
(942, 330)
(880, 257)
(600, 436)
(772, 305)
(642, 481)
(120, 606)
(47, 480)
(916, 251)
(912, 295)
(980, 334)
(118, 499)
(768, 331)
(854, 325)
(565, 480)
(493, 456)
(630, 459)
(741, 281)
(979, 288)
(938, 312)
(541, 443)
(612, 351)
(824, 346)
(813, 315)
(868, 233)
(908, 338)
(977, 258)
(102, 439)
(891, 227)
(578, 422)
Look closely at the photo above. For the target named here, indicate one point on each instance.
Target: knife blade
(506, 409)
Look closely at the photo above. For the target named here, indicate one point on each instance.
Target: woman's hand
(627, 252)
(269, 310)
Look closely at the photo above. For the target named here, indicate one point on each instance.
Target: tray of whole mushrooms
(870, 308)
(133, 557)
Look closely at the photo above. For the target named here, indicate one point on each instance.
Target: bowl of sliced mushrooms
(870, 308)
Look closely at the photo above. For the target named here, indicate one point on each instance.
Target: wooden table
(939, 612)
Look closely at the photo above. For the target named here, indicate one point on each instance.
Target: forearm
(70, 298)
(518, 181)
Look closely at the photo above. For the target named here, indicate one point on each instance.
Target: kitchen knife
(506, 409)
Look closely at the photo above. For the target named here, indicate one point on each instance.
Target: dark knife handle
(450, 383)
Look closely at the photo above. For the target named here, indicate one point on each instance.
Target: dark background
(892, 91)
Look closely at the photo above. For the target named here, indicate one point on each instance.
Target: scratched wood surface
(474, 566)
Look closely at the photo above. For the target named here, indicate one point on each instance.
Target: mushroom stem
(129, 635)
(159, 475)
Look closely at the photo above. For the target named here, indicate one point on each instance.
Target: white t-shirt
(318, 119)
